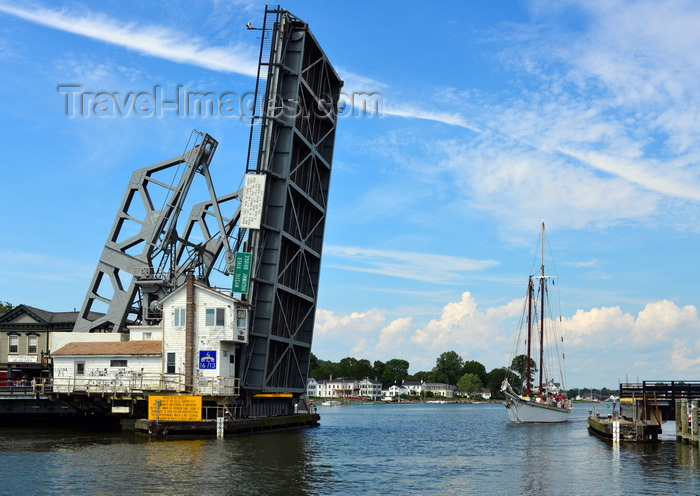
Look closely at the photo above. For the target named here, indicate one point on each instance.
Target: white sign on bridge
(252, 201)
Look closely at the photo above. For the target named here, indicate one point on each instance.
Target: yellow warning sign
(179, 408)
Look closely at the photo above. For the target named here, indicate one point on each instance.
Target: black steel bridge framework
(659, 394)
(291, 144)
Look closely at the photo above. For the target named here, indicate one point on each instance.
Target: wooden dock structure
(616, 428)
(645, 406)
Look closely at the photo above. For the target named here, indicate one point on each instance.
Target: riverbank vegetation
(469, 376)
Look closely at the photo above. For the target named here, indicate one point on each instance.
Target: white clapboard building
(155, 358)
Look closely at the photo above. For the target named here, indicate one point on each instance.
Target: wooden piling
(687, 422)
(684, 420)
(695, 424)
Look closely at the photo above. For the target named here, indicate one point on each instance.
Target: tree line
(468, 376)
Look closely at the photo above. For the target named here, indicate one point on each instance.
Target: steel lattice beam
(144, 257)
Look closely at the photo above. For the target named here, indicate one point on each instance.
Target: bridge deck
(661, 390)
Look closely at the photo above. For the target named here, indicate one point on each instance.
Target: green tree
(378, 370)
(494, 379)
(5, 306)
(423, 375)
(313, 362)
(323, 369)
(474, 367)
(352, 368)
(395, 371)
(519, 366)
(364, 369)
(346, 368)
(469, 383)
(448, 368)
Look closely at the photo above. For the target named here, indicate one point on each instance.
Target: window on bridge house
(214, 317)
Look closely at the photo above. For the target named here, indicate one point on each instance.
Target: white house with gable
(220, 325)
(371, 389)
(155, 358)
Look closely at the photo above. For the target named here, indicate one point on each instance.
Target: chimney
(189, 332)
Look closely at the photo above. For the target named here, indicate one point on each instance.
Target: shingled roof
(150, 347)
(45, 316)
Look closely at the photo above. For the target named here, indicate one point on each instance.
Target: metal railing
(135, 383)
(227, 412)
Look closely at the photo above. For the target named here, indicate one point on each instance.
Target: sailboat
(540, 398)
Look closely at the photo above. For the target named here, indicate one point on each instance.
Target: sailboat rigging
(543, 401)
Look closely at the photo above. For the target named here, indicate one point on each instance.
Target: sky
(492, 117)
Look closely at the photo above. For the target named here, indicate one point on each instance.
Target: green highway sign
(241, 272)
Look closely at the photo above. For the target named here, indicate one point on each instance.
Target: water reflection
(397, 449)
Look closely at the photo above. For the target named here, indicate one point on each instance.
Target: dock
(620, 429)
(227, 427)
(645, 406)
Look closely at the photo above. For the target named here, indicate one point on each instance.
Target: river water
(403, 449)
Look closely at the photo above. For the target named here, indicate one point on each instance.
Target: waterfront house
(26, 340)
(338, 388)
(440, 389)
(312, 388)
(395, 391)
(370, 389)
(415, 388)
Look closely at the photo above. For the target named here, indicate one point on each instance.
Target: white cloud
(356, 83)
(424, 267)
(330, 324)
(462, 326)
(661, 321)
(415, 112)
(155, 41)
(517, 185)
(597, 328)
(392, 335)
(602, 119)
(685, 359)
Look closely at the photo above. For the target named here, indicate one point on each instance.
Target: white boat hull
(522, 410)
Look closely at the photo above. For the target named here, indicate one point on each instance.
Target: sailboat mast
(528, 372)
(542, 298)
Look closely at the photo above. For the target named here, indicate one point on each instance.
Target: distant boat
(543, 401)
(331, 403)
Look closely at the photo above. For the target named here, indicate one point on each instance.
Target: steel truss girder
(138, 270)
